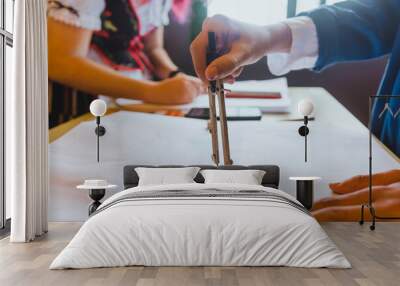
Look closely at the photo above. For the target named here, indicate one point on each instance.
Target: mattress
(201, 225)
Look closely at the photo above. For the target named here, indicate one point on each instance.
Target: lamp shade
(305, 107)
(98, 107)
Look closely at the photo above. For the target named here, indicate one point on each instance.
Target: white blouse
(89, 13)
(152, 13)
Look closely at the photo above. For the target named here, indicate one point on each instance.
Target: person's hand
(350, 194)
(347, 207)
(362, 181)
(240, 43)
(180, 89)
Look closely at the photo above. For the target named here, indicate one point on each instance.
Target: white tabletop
(86, 187)
(338, 149)
(304, 178)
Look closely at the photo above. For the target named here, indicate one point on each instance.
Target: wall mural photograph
(134, 56)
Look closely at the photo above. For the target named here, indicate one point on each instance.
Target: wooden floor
(375, 257)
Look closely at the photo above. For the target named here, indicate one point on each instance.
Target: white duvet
(193, 231)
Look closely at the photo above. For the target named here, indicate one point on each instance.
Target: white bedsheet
(219, 232)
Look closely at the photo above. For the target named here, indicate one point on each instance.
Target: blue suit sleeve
(355, 30)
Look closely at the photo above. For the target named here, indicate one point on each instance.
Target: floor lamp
(369, 205)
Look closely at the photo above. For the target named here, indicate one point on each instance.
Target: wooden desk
(338, 148)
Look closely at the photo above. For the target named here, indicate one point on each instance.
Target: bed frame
(270, 179)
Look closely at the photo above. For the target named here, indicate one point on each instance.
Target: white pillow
(248, 177)
(165, 176)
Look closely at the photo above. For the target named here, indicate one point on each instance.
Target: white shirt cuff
(304, 51)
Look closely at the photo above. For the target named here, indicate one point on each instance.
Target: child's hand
(181, 89)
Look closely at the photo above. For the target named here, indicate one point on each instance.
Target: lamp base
(100, 130)
(304, 131)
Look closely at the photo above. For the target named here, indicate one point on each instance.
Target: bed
(198, 224)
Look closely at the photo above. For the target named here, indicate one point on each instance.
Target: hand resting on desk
(70, 65)
(349, 195)
(180, 89)
(359, 182)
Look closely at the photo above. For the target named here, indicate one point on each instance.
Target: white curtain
(27, 123)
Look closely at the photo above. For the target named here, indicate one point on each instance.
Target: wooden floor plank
(375, 257)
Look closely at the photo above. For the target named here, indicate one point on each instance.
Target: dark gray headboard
(271, 177)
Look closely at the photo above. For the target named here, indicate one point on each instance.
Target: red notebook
(254, 95)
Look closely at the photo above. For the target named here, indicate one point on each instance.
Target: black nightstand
(97, 190)
(305, 190)
(96, 195)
